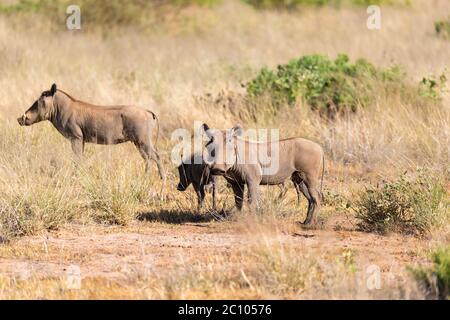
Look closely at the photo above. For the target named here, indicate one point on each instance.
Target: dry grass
(263, 263)
(42, 189)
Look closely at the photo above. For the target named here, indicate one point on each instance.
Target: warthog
(81, 122)
(194, 170)
(244, 162)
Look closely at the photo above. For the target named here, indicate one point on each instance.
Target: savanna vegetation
(376, 100)
(435, 280)
(326, 85)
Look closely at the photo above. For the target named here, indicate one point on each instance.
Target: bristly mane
(68, 95)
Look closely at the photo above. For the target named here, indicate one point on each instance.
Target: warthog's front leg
(200, 191)
(238, 190)
(214, 189)
(253, 194)
(77, 148)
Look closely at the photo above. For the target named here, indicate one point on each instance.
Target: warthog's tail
(321, 179)
(157, 129)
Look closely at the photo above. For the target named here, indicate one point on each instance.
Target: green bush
(436, 279)
(23, 6)
(432, 87)
(442, 28)
(324, 84)
(104, 13)
(137, 9)
(148, 15)
(409, 205)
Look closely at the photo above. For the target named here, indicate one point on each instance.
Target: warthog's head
(220, 151)
(184, 181)
(40, 110)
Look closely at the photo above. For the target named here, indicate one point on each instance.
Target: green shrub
(432, 87)
(442, 28)
(436, 279)
(324, 84)
(109, 13)
(409, 205)
(22, 6)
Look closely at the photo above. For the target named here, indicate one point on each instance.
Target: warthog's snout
(22, 120)
(181, 187)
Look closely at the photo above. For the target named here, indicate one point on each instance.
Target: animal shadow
(303, 235)
(175, 216)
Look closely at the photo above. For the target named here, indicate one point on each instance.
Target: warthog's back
(279, 159)
(112, 124)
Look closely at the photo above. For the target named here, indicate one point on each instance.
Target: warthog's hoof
(218, 215)
(312, 224)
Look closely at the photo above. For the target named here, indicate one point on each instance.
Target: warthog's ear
(53, 89)
(237, 131)
(206, 130)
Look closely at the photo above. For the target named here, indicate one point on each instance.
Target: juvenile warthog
(244, 162)
(81, 122)
(194, 170)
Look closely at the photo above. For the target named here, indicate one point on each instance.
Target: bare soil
(113, 252)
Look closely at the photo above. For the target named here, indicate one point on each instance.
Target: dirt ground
(113, 253)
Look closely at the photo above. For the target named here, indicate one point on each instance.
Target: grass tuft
(435, 280)
(408, 205)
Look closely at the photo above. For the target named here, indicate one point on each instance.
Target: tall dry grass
(171, 71)
(167, 72)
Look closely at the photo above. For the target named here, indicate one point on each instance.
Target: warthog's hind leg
(300, 187)
(149, 153)
(308, 187)
(155, 157)
(145, 155)
(313, 201)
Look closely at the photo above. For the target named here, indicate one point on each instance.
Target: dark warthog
(244, 162)
(194, 170)
(81, 122)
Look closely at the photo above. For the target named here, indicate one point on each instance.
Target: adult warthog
(250, 163)
(81, 122)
